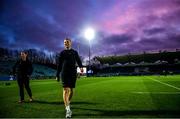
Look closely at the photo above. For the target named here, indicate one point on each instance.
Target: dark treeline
(36, 56)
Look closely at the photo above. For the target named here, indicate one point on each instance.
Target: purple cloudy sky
(122, 26)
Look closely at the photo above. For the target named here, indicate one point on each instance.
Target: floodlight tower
(89, 35)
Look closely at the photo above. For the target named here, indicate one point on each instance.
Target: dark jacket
(67, 64)
(23, 68)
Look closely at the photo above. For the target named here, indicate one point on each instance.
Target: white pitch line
(165, 83)
(156, 92)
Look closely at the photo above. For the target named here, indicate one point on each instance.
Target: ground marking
(164, 83)
(156, 92)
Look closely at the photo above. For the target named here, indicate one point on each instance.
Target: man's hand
(82, 70)
(57, 79)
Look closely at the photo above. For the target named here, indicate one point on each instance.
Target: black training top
(67, 63)
(23, 67)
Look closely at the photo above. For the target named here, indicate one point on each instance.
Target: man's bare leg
(66, 96)
(70, 94)
(66, 92)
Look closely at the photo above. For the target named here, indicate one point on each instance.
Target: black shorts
(68, 81)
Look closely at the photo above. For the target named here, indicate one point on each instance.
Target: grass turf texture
(124, 96)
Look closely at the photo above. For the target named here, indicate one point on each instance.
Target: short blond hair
(68, 39)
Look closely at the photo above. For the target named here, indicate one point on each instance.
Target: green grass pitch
(97, 97)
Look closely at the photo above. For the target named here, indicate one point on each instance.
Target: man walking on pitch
(67, 66)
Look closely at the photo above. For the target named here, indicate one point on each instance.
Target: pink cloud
(132, 18)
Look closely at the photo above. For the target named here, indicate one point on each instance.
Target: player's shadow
(81, 103)
(61, 102)
(127, 113)
(48, 102)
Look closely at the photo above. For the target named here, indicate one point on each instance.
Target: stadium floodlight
(89, 33)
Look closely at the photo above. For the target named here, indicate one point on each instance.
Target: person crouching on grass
(67, 66)
(23, 70)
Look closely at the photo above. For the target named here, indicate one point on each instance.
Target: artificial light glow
(89, 33)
